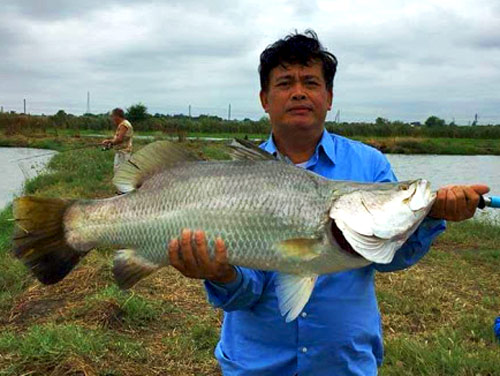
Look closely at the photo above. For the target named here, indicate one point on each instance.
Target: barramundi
(272, 216)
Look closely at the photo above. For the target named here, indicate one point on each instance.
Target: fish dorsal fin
(246, 150)
(151, 159)
(293, 293)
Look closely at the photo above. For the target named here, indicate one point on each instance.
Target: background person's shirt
(339, 331)
(126, 144)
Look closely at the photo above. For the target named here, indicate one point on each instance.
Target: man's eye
(283, 84)
(312, 83)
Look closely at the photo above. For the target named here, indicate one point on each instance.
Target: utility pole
(88, 102)
(24, 101)
(229, 112)
(337, 117)
(476, 117)
(189, 110)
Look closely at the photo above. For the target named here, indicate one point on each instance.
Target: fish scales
(251, 205)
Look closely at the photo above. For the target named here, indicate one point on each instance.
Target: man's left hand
(457, 202)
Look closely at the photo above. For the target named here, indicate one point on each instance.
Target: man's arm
(228, 287)
(118, 138)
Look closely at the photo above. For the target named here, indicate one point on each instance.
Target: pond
(16, 167)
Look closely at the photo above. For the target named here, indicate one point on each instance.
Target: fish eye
(404, 187)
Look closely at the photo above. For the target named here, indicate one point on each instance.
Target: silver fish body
(253, 205)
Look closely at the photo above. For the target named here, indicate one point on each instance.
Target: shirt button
(304, 314)
(304, 349)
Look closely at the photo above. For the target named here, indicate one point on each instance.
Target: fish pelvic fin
(151, 159)
(293, 293)
(39, 238)
(129, 268)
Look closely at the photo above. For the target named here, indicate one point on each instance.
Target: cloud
(398, 59)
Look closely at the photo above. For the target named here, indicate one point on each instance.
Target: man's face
(115, 119)
(297, 97)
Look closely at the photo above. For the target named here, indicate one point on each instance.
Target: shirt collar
(326, 143)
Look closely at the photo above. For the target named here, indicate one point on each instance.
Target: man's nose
(298, 93)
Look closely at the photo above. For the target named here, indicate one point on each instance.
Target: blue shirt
(339, 331)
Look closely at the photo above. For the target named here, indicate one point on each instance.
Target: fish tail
(39, 238)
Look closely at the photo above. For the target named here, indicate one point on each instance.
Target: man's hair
(118, 112)
(297, 49)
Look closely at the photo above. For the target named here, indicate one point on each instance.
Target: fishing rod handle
(492, 202)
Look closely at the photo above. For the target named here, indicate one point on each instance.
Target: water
(13, 173)
(442, 170)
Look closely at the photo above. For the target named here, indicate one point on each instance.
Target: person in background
(122, 140)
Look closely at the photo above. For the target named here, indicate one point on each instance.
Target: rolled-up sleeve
(242, 293)
(420, 242)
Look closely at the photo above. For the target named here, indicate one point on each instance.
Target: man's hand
(457, 202)
(108, 142)
(190, 256)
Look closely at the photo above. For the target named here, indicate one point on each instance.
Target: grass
(437, 316)
(67, 139)
(445, 146)
(66, 347)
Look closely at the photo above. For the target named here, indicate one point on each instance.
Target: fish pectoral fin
(129, 268)
(151, 159)
(301, 248)
(293, 293)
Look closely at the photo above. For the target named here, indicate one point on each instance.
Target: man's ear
(264, 100)
(330, 98)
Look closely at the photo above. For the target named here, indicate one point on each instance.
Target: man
(122, 141)
(339, 330)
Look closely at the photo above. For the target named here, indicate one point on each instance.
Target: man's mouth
(300, 109)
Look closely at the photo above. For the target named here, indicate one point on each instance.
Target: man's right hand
(189, 255)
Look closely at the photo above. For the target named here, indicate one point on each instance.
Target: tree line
(12, 123)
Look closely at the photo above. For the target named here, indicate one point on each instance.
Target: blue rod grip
(495, 202)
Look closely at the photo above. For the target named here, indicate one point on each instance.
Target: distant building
(416, 124)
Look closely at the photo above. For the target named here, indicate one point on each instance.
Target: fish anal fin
(301, 248)
(129, 268)
(151, 159)
(293, 293)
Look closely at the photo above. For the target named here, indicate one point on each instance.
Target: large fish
(272, 215)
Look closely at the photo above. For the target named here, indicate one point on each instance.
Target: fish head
(376, 219)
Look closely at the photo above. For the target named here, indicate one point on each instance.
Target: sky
(403, 60)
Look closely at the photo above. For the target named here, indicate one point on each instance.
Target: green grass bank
(66, 139)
